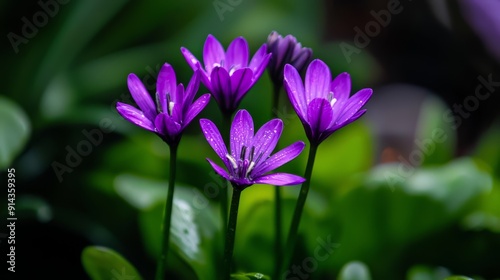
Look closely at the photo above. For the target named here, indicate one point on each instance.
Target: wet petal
(166, 125)
(319, 116)
(191, 90)
(317, 82)
(265, 140)
(135, 116)
(258, 58)
(221, 86)
(295, 89)
(195, 109)
(341, 87)
(259, 62)
(280, 158)
(214, 138)
(191, 59)
(241, 81)
(213, 53)
(353, 118)
(237, 54)
(141, 97)
(241, 133)
(166, 83)
(280, 179)
(219, 170)
(354, 103)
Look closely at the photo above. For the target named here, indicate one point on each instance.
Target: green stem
(231, 232)
(299, 207)
(277, 198)
(167, 215)
(224, 197)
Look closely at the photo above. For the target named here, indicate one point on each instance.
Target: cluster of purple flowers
(323, 105)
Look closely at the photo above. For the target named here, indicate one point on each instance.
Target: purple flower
(228, 75)
(174, 108)
(249, 158)
(484, 20)
(285, 51)
(323, 105)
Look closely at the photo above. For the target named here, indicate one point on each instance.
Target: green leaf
(435, 139)
(458, 278)
(14, 131)
(420, 272)
(354, 270)
(250, 276)
(102, 263)
(380, 217)
(194, 225)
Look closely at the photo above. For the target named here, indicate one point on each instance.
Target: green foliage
(355, 271)
(194, 224)
(102, 263)
(250, 276)
(15, 130)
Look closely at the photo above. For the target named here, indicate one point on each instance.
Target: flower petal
(295, 90)
(237, 54)
(166, 125)
(191, 59)
(191, 90)
(135, 116)
(280, 179)
(214, 138)
(317, 82)
(354, 104)
(259, 62)
(265, 140)
(221, 86)
(241, 133)
(195, 109)
(319, 117)
(341, 87)
(165, 84)
(241, 82)
(141, 97)
(213, 53)
(278, 159)
(219, 170)
(353, 118)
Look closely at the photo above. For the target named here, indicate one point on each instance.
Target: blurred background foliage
(405, 193)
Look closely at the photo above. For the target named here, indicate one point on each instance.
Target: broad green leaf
(194, 225)
(488, 149)
(434, 139)
(14, 131)
(420, 272)
(102, 263)
(33, 206)
(256, 227)
(354, 270)
(250, 276)
(458, 278)
(378, 216)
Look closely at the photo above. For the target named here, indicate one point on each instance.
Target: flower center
(331, 99)
(245, 164)
(170, 105)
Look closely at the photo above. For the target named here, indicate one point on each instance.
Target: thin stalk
(299, 207)
(224, 197)
(278, 249)
(167, 215)
(231, 232)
